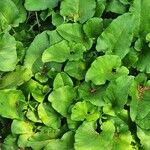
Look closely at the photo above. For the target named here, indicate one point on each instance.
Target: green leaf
(94, 95)
(54, 37)
(117, 37)
(20, 51)
(100, 7)
(51, 54)
(21, 127)
(57, 19)
(123, 141)
(102, 69)
(23, 139)
(87, 138)
(37, 5)
(8, 54)
(22, 13)
(33, 116)
(40, 139)
(65, 96)
(41, 77)
(72, 125)
(8, 13)
(37, 90)
(131, 58)
(118, 90)
(142, 115)
(116, 6)
(62, 79)
(45, 14)
(125, 2)
(10, 143)
(77, 10)
(48, 116)
(143, 63)
(93, 27)
(76, 51)
(144, 137)
(76, 69)
(142, 19)
(71, 32)
(84, 110)
(12, 104)
(37, 47)
(15, 78)
(66, 142)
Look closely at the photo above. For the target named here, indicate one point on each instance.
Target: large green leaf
(94, 94)
(37, 90)
(8, 13)
(76, 69)
(12, 104)
(76, 51)
(84, 110)
(144, 138)
(62, 98)
(78, 10)
(118, 91)
(122, 138)
(41, 138)
(37, 47)
(23, 139)
(21, 127)
(87, 138)
(37, 5)
(142, 18)
(71, 32)
(62, 79)
(15, 78)
(48, 115)
(140, 99)
(142, 115)
(143, 63)
(65, 143)
(58, 52)
(117, 37)
(116, 6)
(8, 54)
(100, 7)
(22, 12)
(10, 143)
(102, 69)
(93, 27)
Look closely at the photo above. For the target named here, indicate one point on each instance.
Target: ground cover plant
(75, 74)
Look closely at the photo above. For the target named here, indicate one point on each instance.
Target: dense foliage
(75, 74)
